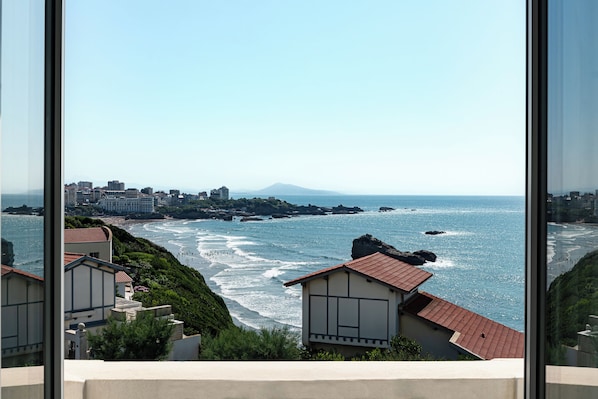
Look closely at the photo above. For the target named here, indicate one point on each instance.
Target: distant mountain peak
(291, 189)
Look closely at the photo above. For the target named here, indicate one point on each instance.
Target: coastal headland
(246, 209)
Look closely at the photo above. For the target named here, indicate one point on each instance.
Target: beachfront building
(121, 205)
(131, 193)
(362, 304)
(221, 193)
(116, 185)
(93, 241)
(22, 320)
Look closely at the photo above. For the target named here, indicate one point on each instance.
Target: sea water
(480, 263)
(25, 232)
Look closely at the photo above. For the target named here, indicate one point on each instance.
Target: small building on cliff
(361, 304)
(93, 241)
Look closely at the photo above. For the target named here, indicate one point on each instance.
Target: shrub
(145, 338)
(240, 344)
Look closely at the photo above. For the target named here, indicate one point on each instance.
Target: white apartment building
(128, 205)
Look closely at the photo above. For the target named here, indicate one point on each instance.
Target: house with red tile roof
(93, 241)
(89, 290)
(361, 304)
(90, 287)
(124, 285)
(22, 317)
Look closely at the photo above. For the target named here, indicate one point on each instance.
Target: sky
(360, 97)
(573, 97)
(21, 96)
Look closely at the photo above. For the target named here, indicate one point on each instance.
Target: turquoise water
(480, 262)
(25, 232)
(480, 259)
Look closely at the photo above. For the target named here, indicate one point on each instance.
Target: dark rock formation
(435, 232)
(367, 245)
(429, 256)
(251, 219)
(8, 255)
(386, 209)
(343, 210)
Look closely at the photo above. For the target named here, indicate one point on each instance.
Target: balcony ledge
(501, 378)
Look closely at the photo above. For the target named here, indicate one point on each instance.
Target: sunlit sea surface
(480, 262)
(25, 232)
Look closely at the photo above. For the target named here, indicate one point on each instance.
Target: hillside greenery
(571, 298)
(169, 282)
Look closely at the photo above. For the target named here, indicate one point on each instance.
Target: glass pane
(21, 177)
(572, 242)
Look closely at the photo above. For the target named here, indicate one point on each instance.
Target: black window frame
(53, 202)
(535, 199)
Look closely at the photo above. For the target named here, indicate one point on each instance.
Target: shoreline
(122, 222)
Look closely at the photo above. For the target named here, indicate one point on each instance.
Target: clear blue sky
(573, 97)
(381, 97)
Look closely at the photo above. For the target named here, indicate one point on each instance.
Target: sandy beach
(122, 222)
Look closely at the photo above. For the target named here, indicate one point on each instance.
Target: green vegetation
(169, 282)
(401, 348)
(571, 298)
(241, 344)
(258, 206)
(145, 338)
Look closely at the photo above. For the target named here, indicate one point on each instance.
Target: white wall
(85, 379)
(89, 294)
(349, 309)
(22, 320)
(433, 341)
(103, 248)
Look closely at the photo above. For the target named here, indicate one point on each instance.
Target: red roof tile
(70, 257)
(91, 234)
(379, 267)
(11, 270)
(475, 333)
(122, 277)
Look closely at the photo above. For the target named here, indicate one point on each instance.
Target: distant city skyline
(360, 98)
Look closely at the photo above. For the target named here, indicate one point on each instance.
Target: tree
(144, 338)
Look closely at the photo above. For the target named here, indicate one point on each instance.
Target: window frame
(535, 199)
(536, 189)
(53, 201)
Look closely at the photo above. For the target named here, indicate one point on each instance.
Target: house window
(94, 254)
(22, 182)
(30, 175)
(562, 320)
(558, 121)
(572, 185)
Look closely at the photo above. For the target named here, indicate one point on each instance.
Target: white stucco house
(22, 317)
(93, 241)
(363, 303)
(124, 285)
(89, 290)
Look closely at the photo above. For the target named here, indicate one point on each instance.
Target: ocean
(480, 263)
(25, 232)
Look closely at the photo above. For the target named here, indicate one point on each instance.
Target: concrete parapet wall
(500, 379)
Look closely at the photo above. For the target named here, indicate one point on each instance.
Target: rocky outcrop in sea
(8, 255)
(367, 245)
